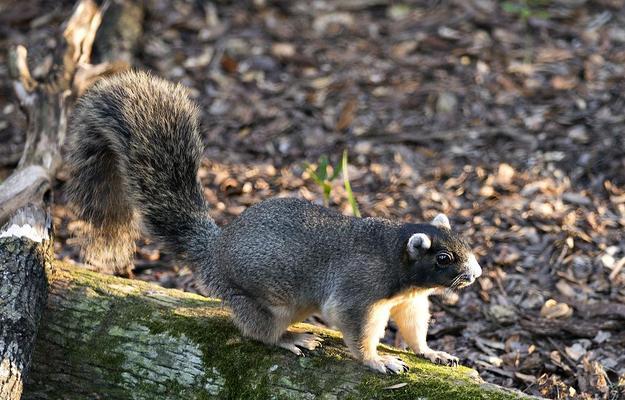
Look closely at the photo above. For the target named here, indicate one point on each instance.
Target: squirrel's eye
(444, 258)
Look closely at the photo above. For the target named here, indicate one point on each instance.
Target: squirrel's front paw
(387, 364)
(440, 357)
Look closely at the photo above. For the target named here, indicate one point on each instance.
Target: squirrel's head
(436, 257)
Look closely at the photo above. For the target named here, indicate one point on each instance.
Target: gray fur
(136, 154)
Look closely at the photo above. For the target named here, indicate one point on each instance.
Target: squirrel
(135, 153)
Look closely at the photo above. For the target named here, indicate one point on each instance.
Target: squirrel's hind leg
(255, 320)
(269, 324)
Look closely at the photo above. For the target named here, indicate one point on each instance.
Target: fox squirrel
(135, 155)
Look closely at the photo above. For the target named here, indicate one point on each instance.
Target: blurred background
(506, 115)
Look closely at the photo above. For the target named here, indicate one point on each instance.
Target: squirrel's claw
(387, 364)
(292, 348)
(441, 358)
(293, 341)
(307, 341)
(454, 362)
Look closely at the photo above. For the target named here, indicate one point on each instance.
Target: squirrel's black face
(435, 257)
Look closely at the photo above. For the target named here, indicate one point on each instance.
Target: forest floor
(506, 116)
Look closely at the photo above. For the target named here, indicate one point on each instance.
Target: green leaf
(337, 171)
(313, 174)
(322, 168)
(348, 186)
(327, 190)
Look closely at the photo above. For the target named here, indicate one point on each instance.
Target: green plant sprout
(348, 186)
(323, 179)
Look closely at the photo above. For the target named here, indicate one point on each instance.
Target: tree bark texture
(22, 298)
(104, 337)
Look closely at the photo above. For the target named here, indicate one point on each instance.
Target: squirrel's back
(135, 153)
(293, 249)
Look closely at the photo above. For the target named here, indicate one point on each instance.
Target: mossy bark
(113, 338)
(22, 297)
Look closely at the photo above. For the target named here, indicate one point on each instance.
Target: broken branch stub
(25, 239)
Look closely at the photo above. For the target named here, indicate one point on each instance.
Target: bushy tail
(134, 158)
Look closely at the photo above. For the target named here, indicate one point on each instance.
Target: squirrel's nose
(473, 268)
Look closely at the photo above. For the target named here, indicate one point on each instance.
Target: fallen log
(113, 338)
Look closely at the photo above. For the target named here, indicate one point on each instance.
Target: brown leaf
(348, 112)
(229, 64)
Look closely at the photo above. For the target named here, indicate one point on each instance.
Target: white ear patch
(417, 242)
(441, 221)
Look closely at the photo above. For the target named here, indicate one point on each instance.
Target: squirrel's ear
(441, 221)
(418, 242)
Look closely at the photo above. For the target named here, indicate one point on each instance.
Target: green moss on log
(134, 340)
